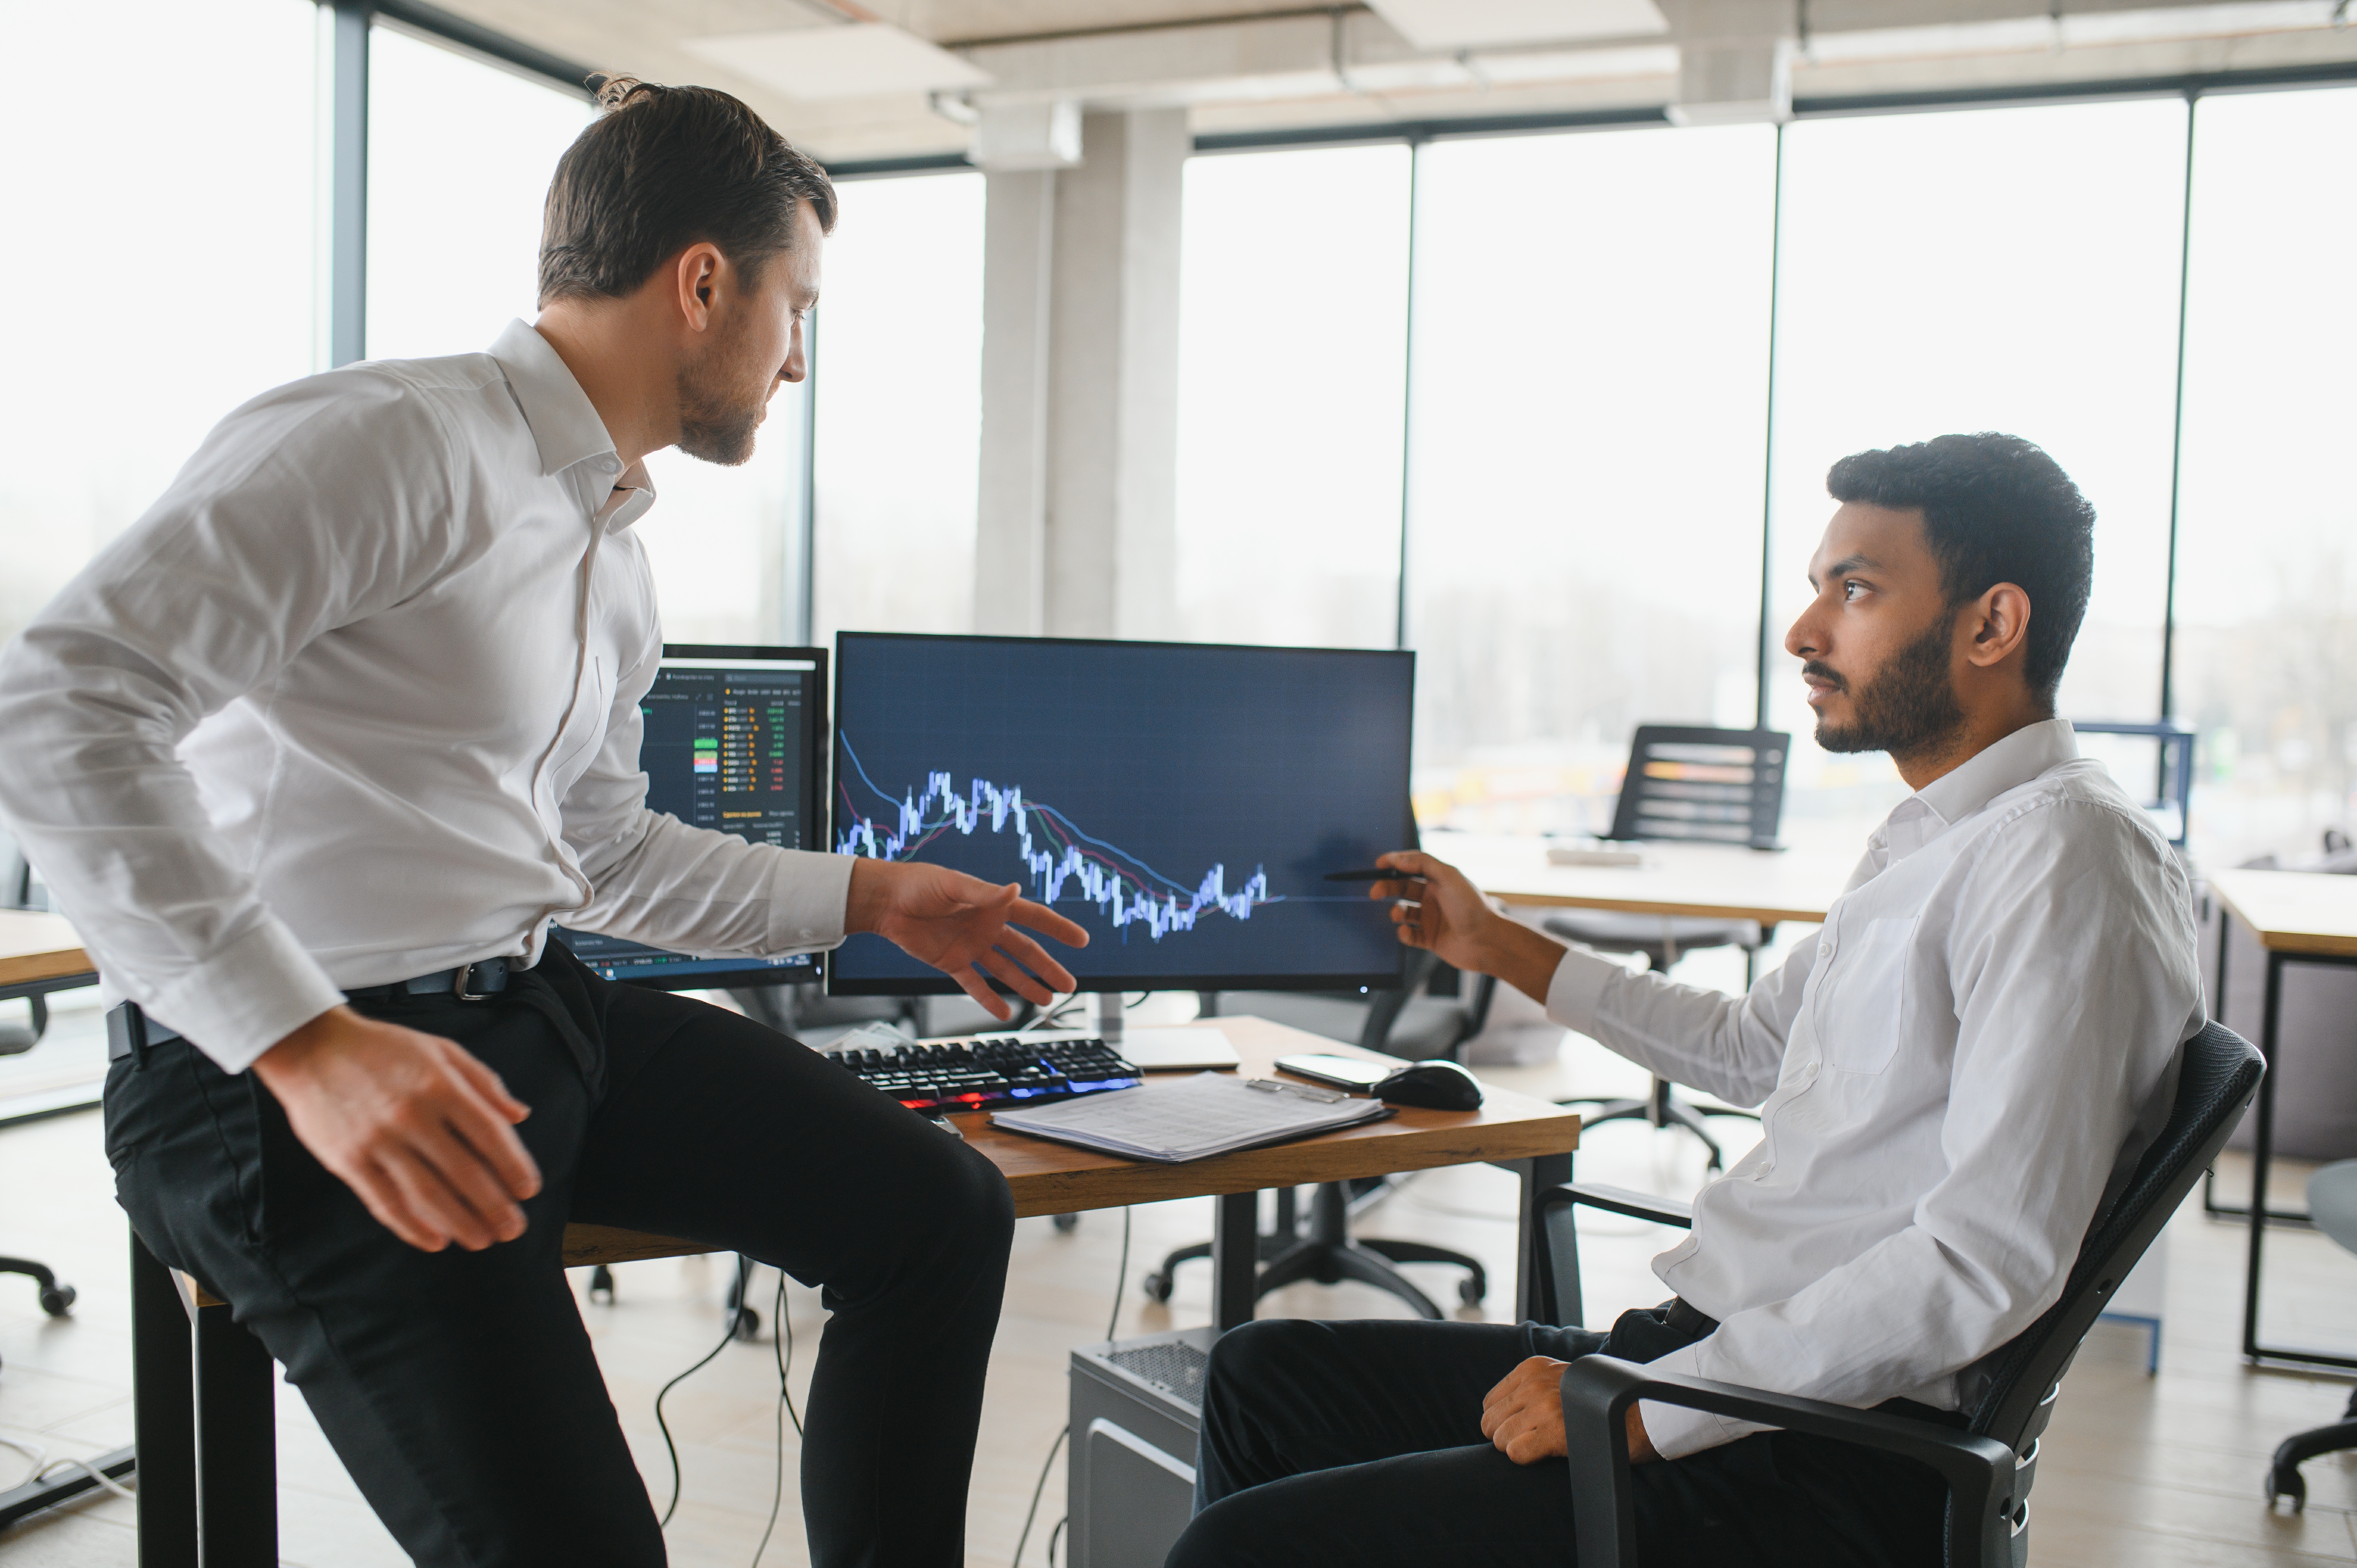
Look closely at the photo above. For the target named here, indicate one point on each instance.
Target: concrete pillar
(1010, 536)
(1080, 387)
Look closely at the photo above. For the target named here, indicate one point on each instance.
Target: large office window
(2266, 581)
(159, 264)
(1293, 324)
(460, 152)
(2014, 270)
(900, 407)
(1590, 411)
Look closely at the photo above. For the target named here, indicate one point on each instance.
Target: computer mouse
(1437, 1085)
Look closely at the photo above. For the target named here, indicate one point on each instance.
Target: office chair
(1990, 1464)
(2332, 1204)
(1430, 1015)
(1693, 786)
(15, 893)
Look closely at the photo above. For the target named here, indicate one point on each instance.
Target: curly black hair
(1996, 509)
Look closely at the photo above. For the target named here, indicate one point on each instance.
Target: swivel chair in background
(2332, 1204)
(17, 893)
(1433, 1013)
(1690, 786)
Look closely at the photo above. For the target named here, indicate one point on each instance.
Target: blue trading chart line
(1127, 889)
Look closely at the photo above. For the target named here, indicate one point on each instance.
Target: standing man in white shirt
(314, 754)
(1979, 1044)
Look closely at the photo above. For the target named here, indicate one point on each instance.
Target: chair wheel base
(57, 1301)
(1157, 1286)
(1067, 1223)
(1470, 1291)
(2284, 1483)
(601, 1285)
(749, 1324)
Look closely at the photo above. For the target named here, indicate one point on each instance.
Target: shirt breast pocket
(1862, 1003)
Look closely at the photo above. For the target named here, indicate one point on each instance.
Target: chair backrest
(2218, 1076)
(1716, 786)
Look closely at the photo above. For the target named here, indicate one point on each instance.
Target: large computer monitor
(735, 740)
(1182, 801)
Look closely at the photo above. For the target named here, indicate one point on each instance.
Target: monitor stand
(1109, 1012)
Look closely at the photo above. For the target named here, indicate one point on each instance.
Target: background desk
(2299, 918)
(1715, 882)
(40, 953)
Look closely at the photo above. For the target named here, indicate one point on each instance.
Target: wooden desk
(207, 1437)
(1717, 882)
(2299, 917)
(1531, 1137)
(40, 953)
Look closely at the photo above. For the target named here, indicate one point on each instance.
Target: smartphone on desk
(1342, 1072)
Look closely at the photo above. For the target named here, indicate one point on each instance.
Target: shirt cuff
(807, 901)
(1676, 1431)
(247, 997)
(1576, 991)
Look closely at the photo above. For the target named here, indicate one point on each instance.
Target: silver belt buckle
(460, 984)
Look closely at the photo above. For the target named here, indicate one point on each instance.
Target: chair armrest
(1621, 1200)
(1598, 1389)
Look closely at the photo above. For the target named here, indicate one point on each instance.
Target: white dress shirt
(1976, 1048)
(358, 700)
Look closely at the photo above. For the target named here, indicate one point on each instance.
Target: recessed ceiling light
(1477, 23)
(861, 59)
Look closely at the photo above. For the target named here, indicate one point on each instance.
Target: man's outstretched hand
(419, 1128)
(1436, 906)
(1522, 1417)
(963, 926)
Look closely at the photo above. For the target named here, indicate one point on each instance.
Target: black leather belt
(1687, 1321)
(131, 1032)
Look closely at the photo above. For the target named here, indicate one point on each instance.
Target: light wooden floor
(2157, 1473)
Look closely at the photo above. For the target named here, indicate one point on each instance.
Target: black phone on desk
(1342, 1072)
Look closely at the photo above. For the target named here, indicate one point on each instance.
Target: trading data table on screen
(726, 744)
(1182, 803)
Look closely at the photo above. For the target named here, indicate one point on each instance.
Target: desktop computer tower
(1135, 1405)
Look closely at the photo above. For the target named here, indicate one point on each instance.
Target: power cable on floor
(1120, 1279)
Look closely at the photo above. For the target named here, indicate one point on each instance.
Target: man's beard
(1908, 707)
(717, 422)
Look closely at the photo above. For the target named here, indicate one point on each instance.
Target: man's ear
(696, 274)
(1999, 622)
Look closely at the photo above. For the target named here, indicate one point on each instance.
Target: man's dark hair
(1996, 509)
(663, 168)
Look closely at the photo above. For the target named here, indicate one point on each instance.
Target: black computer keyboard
(977, 1075)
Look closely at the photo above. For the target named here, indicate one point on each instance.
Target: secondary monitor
(1182, 801)
(735, 738)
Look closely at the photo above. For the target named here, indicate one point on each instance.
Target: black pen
(1373, 874)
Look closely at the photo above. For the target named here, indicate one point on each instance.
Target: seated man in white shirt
(1983, 1038)
(313, 755)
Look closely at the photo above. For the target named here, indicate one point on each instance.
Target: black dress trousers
(459, 1388)
(1360, 1444)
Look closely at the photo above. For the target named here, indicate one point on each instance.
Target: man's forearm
(1522, 958)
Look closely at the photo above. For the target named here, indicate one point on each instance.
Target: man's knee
(1252, 1355)
(1228, 1534)
(969, 1218)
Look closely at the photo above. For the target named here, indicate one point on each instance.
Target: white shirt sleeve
(1728, 1046)
(247, 558)
(696, 890)
(2048, 1085)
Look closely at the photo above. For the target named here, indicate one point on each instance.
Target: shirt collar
(564, 422)
(2008, 765)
